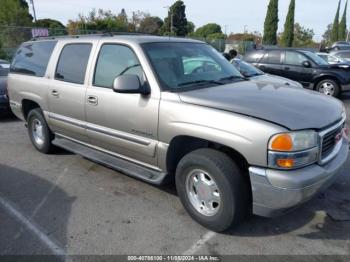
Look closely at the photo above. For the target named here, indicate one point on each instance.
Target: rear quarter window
(32, 58)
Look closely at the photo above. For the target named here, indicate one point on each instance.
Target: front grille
(330, 140)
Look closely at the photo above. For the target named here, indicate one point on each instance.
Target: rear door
(271, 62)
(294, 69)
(67, 90)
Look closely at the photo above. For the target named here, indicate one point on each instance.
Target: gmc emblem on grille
(338, 137)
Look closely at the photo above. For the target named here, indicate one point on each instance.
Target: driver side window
(115, 60)
(294, 58)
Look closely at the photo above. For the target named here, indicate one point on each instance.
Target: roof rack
(104, 34)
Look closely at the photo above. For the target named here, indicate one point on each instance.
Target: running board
(121, 165)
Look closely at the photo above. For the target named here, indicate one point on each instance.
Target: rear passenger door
(125, 124)
(67, 90)
(271, 63)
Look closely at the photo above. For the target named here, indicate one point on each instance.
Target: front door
(124, 124)
(67, 91)
(293, 66)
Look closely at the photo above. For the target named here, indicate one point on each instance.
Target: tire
(333, 88)
(234, 195)
(41, 140)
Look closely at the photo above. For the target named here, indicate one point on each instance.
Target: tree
(342, 25)
(151, 25)
(288, 34)
(335, 30)
(176, 19)
(271, 24)
(207, 30)
(327, 35)
(303, 37)
(55, 27)
(190, 27)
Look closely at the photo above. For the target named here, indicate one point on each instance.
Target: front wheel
(39, 132)
(328, 87)
(212, 189)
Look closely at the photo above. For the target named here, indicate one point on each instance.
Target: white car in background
(332, 59)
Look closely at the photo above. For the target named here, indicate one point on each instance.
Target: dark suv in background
(303, 66)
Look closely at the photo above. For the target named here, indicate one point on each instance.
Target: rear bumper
(276, 192)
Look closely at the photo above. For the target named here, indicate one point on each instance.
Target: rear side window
(254, 57)
(115, 60)
(72, 63)
(272, 57)
(32, 58)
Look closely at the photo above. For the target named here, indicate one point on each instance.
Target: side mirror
(306, 64)
(130, 84)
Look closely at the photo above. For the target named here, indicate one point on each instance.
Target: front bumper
(276, 192)
(4, 103)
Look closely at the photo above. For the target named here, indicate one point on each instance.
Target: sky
(234, 15)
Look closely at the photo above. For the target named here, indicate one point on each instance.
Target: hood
(291, 107)
(274, 80)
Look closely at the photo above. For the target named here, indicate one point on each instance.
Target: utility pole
(33, 6)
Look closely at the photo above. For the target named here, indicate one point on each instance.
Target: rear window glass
(73, 62)
(32, 58)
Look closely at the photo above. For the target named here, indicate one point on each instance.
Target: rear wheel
(212, 189)
(328, 87)
(39, 132)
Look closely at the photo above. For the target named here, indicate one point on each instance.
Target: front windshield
(246, 69)
(318, 60)
(180, 66)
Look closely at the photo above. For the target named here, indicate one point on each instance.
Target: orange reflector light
(282, 142)
(285, 163)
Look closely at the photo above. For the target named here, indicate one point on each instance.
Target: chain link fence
(12, 36)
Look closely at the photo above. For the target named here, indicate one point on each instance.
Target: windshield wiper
(201, 82)
(232, 78)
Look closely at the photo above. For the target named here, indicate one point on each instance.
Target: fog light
(285, 163)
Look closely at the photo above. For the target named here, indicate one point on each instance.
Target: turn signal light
(285, 163)
(282, 142)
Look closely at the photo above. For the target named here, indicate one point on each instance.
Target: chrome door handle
(55, 93)
(92, 100)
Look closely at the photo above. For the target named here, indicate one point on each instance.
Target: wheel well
(318, 80)
(182, 145)
(27, 106)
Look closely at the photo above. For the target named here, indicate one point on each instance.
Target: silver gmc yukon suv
(168, 109)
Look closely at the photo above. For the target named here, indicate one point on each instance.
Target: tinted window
(294, 58)
(32, 58)
(73, 62)
(272, 57)
(254, 57)
(115, 60)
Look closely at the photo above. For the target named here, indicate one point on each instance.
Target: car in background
(343, 54)
(252, 73)
(332, 59)
(341, 45)
(303, 66)
(4, 101)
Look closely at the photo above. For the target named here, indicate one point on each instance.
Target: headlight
(293, 150)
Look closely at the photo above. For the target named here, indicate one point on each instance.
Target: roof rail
(104, 34)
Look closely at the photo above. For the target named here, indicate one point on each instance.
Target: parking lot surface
(64, 204)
